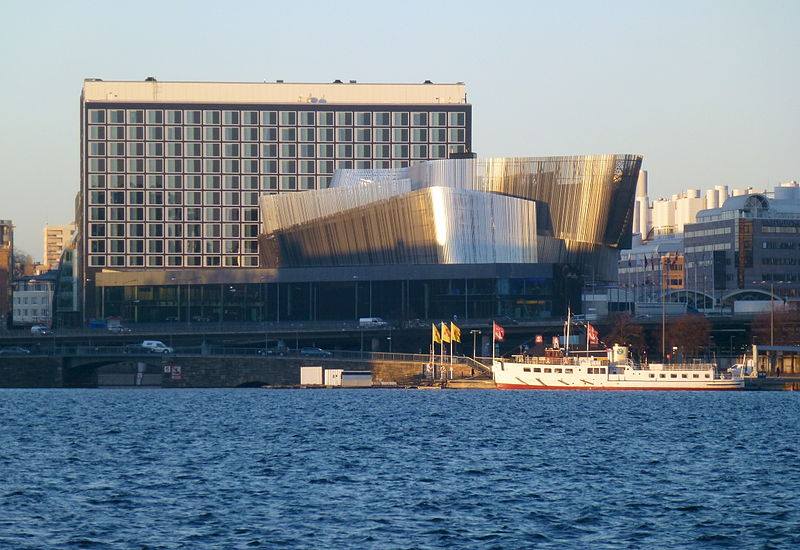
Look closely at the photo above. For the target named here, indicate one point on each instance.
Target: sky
(707, 91)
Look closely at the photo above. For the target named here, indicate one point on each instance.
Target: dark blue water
(398, 469)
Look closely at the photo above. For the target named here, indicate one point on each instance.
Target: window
(325, 134)
(306, 118)
(344, 151)
(116, 116)
(97, 132)
(306, 134)
(211, 117)
(325, 151)
(288, 134)
(363, 119)
(174, 117)
(211, 133)
(269, 134)
(192, 133)
(382, 119)
(400, 134)
(136, 133)
(438, 119)
(419, 135)
(288, 166)
(231, 134)
(230, 150)
(399, 119)
(288, 118)
(344, 134)
(288, 183)
(438, 135)
(306, 150)
(456, 135)
(363, 134)
(344, 119)
(230, 117)
(400, 151)
(249, 134)
(154, 133)
(526, 369)
(457, 118)
(419, 119)
(325, 119)
(269, 118)
(174, 133)
(419, 151)
(250, 118)
(288, 150)
(97, 116)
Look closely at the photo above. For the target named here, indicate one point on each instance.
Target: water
(397, 469)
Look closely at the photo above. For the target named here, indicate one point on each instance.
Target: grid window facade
(177, 185)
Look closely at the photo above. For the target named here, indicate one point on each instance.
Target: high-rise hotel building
(171, 172)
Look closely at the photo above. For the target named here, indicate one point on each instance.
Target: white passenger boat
(613, 370)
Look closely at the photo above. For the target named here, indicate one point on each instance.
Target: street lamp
(474, 333)
(389, 338)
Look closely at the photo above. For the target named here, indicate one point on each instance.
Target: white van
(156, 346)
(365, 322)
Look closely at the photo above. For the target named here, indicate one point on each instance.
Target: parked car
(151, 346)
(372, 322)
(14, 350)
(40, 330)
(119, 329)
(315, 352)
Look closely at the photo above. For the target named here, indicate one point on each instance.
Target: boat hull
(720, 387)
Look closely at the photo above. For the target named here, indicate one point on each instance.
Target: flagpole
(442, 349)
(492, 344)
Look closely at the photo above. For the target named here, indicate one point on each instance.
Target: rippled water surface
(397, 469)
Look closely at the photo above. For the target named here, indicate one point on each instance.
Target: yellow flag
(436, 338)
(445, 333)
(455, 333)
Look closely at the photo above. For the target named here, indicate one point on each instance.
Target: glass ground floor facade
(540, 295)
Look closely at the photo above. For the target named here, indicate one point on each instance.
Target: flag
(556, 343)
(437, 339)
(445, 333)
(498, 331)
(455, 333)
(591, 334)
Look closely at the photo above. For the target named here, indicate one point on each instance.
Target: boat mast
(566, 332)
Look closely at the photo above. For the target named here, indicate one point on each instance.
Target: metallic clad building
(553, 210)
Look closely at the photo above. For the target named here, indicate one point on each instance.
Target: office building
(56, 238)
(171, 172)
(33, 299)
(471, 238)
(747, 249)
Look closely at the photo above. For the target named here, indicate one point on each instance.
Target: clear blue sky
(708, 92)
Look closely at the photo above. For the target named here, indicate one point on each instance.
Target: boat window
(652, 375)
(589, 370)
(683, 376)
(602, 371)
(558, 370)
(548, 370)
(537, 369)
(695, 375)
(568, 371)
(526, 369)
(673, 375)
(708, 376)
(661, 375)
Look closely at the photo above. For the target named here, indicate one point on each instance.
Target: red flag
(592, 334)
(499, 332)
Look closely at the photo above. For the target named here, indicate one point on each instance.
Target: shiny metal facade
(568, 210)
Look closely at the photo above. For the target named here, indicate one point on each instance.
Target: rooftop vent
(279, 81)
(150, 79)
(352, 82)
(337, 81)
(428, 82)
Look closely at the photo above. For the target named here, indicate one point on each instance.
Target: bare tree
(690, 334)
(784, 326)
(625, 331)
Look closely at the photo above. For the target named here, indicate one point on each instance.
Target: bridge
(78, 366)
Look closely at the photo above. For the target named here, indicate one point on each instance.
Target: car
(118, 329)
(272, 351)
(201, 319)
(156, 346)
(315, 352)
(149, 346)
(40, 330)
(15, 350)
